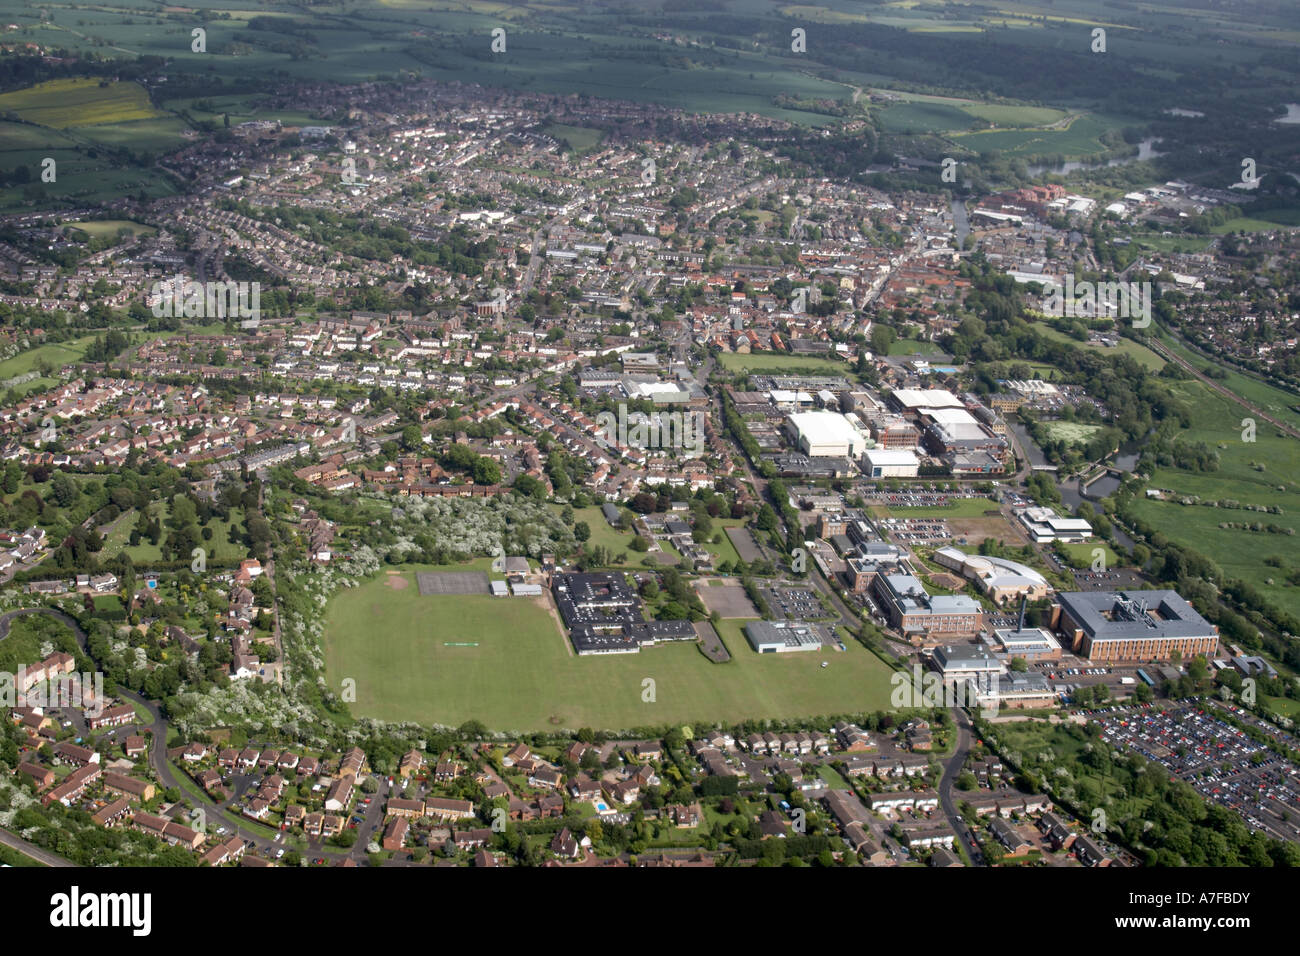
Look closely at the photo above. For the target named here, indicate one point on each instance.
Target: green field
(581, 138)
(961, 508)
(616, 541)
(109, 227)
(60, 104)
(1263, 472)
(1073, 433)
(1140, 353)
(914, 347)
(1080, 553)
(219, 549)
(523, 675)
(1080, 138)
(57, 354)
(775, 361)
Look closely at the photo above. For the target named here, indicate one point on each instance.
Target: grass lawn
(779, 362)
(522, 676)
(219, 548)
(616, 541)
(98, 228)
(1140, 353)
(914, 347)
(961, 508)
(57, 354)
(1081, 556)
(1284, 706)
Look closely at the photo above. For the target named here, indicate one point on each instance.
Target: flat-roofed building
(782, 637)
(825, 435)
(1029, 643)
(1133, 626)
(922, 617)
(890, 463)
(1045, 525)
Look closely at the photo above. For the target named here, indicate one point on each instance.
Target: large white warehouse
(826, 435)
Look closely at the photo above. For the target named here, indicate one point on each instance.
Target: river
(1103, 487)
(960, 220)
(1146, 150)
(1292, 117)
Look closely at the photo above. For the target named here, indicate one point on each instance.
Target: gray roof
(1126, 615)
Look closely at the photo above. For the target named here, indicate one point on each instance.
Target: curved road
(158, 761)
(951, 768)
(31, 850)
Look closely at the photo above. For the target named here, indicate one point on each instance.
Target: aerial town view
(618, 434)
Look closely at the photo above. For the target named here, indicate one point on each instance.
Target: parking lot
(914, 499)
(1221, 762)
(917, 530)
(1108, 580)
(793, 604)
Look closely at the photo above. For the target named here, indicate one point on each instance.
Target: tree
(582, 531)
(486, 471)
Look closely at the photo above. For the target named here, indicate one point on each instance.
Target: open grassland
(98, 228)
(60, 104)
(1139, 352)
(781, 362)
(1079, 138)
(57, 354)
(1263, 472)
(1081, 556)
(1277, 402)
(522, 675)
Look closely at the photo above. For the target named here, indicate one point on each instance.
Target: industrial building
(890, 463)
(825, 435)
(923, 618)
(782, 637)
(1045, 525)
(1133, 626)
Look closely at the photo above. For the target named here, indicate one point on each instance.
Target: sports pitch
(522, 675)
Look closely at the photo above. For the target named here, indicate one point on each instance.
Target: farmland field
(60, 104)
(522, 675)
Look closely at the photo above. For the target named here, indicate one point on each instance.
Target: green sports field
(764, 362)
(523, 676)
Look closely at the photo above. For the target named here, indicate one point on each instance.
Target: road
(32, 850)
(1169, 355)
(951, 768)
(849, 619)
(163, 769)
